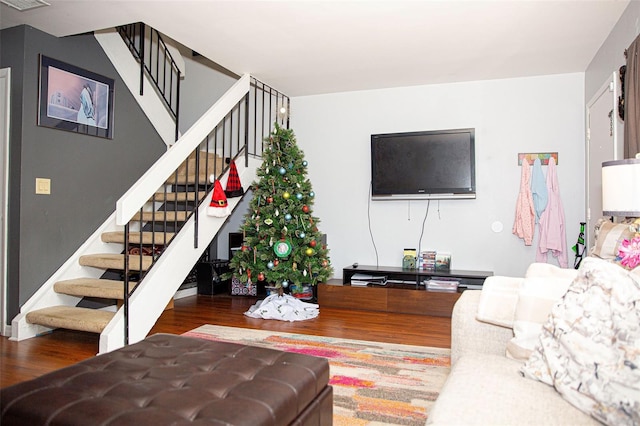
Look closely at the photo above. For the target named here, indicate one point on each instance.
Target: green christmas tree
(281, 241)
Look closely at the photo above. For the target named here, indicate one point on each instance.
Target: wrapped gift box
(243, 289)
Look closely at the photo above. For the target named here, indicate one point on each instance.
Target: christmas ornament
(305, 208)
(270, 265)
(282, 248)
(269, 200)
(312, 194)
(325, 263)
(312, 243)
(287, 216)
(309, 251)
(276, 262)
(286, 195)
(290, 166)
(304, 163)
(268, 221)
(302, 235)
(282, 170)
(299, 196)
(285, 283)
(260, 276)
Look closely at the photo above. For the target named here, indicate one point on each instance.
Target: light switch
(43, 186)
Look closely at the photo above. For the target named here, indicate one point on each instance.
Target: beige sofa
(485, 387)
(600, 309)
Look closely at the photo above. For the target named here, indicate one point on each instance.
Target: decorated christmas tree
(281, 241)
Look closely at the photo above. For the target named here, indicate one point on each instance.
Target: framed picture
(74, 99)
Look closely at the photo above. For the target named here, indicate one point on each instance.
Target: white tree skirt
(284, 308)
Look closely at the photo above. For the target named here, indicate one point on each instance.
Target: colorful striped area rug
(373, 383)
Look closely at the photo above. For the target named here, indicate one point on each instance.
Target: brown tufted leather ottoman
(168, 379)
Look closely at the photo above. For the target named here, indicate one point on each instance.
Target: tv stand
(404, 291)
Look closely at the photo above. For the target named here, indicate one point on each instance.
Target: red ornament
(305, 208)
(245, 248)
(269, 200)
(325, 263)
(275, 262)
(312, 243)
(260, 276)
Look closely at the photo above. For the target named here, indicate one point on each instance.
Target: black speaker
(209, 276)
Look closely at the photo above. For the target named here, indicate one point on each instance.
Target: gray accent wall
(610, 56)
(88, 174)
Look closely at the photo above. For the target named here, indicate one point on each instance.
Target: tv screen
(423, 165)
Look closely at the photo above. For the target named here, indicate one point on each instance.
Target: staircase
(159, 228)
(147, 245)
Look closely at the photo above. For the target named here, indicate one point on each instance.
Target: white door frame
(607, 93)
(5, 121)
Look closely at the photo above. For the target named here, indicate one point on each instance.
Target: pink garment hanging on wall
(524, 223)
(553, 237)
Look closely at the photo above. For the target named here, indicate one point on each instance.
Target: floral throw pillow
(629, 252)
(589, 349)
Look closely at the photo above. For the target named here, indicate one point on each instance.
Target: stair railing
(152, 52)
(165, 198)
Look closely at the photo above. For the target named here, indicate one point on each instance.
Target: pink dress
(524, 223)
(553, 237)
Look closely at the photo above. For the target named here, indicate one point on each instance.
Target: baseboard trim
(185, 293)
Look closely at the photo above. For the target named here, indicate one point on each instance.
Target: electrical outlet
(43, 186)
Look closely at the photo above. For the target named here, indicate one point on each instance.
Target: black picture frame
(74, 99)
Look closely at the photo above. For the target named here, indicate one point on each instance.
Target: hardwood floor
(33, 357)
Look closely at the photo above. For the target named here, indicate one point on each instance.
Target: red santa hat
(234, 186)
(218, 206)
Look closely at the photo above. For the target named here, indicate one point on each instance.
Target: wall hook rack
(543, 156)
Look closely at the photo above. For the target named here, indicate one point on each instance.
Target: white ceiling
(303, 47)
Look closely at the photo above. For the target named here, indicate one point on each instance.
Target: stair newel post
(177, 113)
(153, 228)
(125, 299)
(197, 188)
(246, 129)
(142, 37)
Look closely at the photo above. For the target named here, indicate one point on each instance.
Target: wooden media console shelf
(404, 291)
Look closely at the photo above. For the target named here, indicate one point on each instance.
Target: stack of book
(364, 279)
(450, 286)
(428, 260)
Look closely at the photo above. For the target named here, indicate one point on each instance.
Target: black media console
(411, 278)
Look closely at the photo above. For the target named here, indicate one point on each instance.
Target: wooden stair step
(190, 179)
(169, 216)
(186, 174)
(72, 318)
(116, 261)
(179, 196)
(93, 287)
(157, 238)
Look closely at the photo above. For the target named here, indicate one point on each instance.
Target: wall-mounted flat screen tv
(436, 164)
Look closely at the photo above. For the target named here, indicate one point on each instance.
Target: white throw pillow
(498, 300)
(542, 288)
(590, 347)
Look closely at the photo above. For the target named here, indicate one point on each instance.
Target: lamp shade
(621, 188)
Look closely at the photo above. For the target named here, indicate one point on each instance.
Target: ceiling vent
(25, 4)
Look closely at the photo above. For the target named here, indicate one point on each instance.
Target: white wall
(536, 114)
